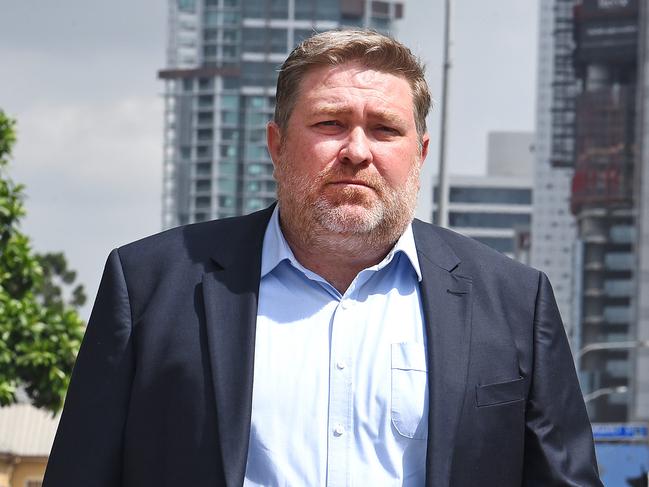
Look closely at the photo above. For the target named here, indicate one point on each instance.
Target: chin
(351, 219)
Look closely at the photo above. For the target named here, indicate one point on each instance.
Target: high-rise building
(640, 312)
(222, 62)
(495, 209)
(594, 127)
(553, 226)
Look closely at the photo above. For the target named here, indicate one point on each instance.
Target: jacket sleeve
(87, 450)
(559, 447)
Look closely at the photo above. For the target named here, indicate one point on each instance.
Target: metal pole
(610, 346)
(605, 392)
(442, 180)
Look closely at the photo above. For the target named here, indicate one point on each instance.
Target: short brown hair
(336, 47)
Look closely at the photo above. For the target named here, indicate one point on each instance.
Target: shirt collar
(276, 249)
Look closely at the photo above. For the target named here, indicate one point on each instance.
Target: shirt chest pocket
(409, 394)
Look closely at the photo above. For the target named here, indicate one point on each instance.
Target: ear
(273, 141)
(425, 141)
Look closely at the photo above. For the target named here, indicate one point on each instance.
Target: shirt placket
(340, 420)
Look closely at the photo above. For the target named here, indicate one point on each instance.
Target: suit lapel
(446, 299)
(230, 297)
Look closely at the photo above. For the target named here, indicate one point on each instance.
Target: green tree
(40, 330)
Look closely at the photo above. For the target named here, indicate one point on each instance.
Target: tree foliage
(40, 329)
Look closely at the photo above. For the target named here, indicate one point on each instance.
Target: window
(226, 201)
(209, 51)
(305, 10)
(254, 40)
(227, 185)
(469, 194)
(259, 74)
(206, 83)
(618, 288)
(302, 34)
(254, 204)
(255, 8)
(212, 18)
(187, 5)
(230, 35)
(227, 168)
(253, 186)
(203, 185)
(229, 134)
(278, 40)
(230, 102)
(203, 168)
(617, 314)
(203, 151)
(619, 261)
(203, 202)
(205, 100)
(257, 135)
(256, 152)
(230, 52)
(505, 245)
(204, 134)
(205, 117)
(256, 119)
(488, 220)
(210, 35)
(229, 151)
(229, 118)
(259, 168)
(257, 102)
(328, 9)
(622, 233)
(279, 9)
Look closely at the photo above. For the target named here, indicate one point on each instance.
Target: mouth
(351, 182)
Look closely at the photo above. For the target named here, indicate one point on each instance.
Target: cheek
(396, 167)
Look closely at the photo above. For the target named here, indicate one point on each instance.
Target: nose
(357, 148)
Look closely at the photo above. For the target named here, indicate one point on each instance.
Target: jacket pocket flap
(500, 392)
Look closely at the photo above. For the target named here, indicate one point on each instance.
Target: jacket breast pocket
(409, 408)
(500, 392)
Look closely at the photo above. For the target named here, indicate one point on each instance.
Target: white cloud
(93, 177)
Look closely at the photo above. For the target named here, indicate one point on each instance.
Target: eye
(387, 130)
(329, 123)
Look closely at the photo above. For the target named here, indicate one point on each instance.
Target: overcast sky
(80, 78)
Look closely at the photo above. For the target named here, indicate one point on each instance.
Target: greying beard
(349, 220)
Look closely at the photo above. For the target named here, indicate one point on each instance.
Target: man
(328, 340)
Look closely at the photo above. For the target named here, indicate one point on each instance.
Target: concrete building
(553, 232)
(222, 63)
(496, 208)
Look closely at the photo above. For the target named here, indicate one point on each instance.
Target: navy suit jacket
(161, 392)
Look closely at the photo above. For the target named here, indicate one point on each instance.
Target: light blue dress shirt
(340, 393)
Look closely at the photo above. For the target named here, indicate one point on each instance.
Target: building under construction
(594, 123)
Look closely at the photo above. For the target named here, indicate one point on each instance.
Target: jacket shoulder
(475, 259)
(196, 242)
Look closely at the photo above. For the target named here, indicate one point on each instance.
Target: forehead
(353, 84)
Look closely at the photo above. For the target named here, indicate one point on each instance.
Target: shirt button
(339, 430)
(341, 365)
(345, 304)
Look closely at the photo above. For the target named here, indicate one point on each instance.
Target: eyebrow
(339, 110)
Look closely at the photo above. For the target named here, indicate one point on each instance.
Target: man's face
(349, 159)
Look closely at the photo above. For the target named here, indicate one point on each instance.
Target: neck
(337, 257)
